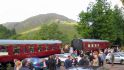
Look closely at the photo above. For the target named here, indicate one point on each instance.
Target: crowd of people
(88, 59)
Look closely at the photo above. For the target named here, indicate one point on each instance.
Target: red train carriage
(89, 44)
(20, 49)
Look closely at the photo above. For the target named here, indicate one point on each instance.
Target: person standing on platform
(58, 61)
(68, 62)
(112, 58)
(71, 50)
(51, 63)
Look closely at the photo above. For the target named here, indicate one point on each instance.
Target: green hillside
(35, 21)
(67, 28)
(31, 28)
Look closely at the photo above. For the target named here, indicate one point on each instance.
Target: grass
(31, 30)
(67, 28)
(64, 25)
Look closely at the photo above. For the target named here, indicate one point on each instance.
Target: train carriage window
(3, 50)
(31, 49)
(89, 45)
(92, 45)
(16, 50)
(39, 48)
(95, 45)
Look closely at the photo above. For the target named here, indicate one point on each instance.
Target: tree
(83, 27)
(101, 22)
(5, 33)
(98, 14)
(118, 24)
(51, 31)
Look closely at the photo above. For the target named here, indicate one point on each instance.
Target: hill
(67, 28)
(35, 21)
(30, 28)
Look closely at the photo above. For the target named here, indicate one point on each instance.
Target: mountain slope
(35, 21)
(67, 28)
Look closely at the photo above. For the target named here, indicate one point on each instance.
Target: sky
(19, 10)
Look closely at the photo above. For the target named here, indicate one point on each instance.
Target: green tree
(118, 24)
(101, 22)
(5, 33)
(94, 23)
(51, 31)
(83, 26)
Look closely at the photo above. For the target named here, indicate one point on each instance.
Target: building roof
(29, 41)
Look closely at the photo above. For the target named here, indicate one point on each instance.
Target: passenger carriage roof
(29, 41)
(94, 40)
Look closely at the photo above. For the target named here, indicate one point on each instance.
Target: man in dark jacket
(68, 62)
(51, 63)
(58, 61)
(84, 62)
(81, 61)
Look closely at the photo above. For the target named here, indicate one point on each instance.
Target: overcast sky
(19, 10)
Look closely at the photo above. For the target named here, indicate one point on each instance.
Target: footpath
(110, 67)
